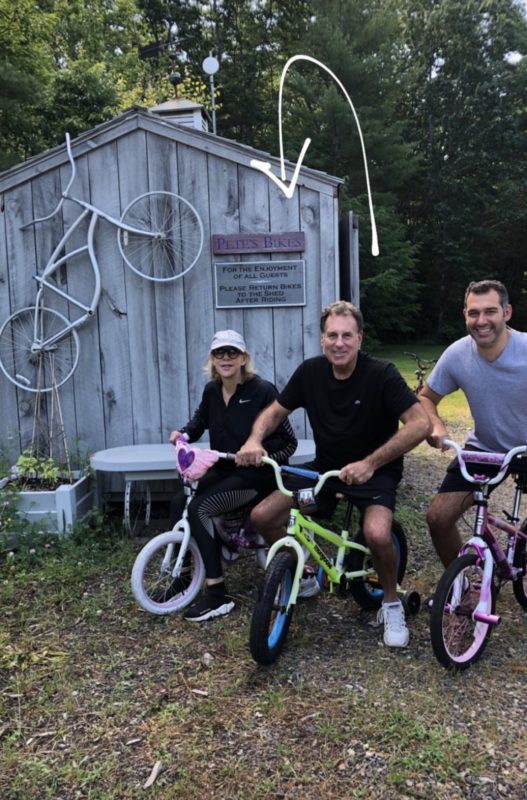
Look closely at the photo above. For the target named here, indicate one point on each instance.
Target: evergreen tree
(355, 39)
(465, 113)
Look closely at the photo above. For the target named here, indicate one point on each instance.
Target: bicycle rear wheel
(368, 592)
(519, 586)
(457, 639)
(177, 245)
(25, 358)
(271, 620)
(154, 586)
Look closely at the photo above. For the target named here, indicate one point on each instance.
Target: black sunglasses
(226, 352)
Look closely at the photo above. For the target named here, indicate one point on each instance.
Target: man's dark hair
(342, 309)
(482, 287)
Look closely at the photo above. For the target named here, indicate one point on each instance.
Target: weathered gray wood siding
(140, 370)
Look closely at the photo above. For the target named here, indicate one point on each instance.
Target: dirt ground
(96, 696)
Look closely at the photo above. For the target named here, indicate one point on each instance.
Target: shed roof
(139, 118)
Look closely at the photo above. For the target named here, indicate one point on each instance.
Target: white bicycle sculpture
(160, 237)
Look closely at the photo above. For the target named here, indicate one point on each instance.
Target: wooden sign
(232, 243)
(260, 283)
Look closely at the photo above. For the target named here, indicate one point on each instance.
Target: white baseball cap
(228, 339)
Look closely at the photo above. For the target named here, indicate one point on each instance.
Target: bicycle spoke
(180, 236)
(41, 363)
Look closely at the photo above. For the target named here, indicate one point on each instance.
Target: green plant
(31, 466)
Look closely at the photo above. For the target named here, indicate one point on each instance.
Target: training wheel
(412, 601)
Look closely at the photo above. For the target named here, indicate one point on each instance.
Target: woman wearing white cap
(230, 403)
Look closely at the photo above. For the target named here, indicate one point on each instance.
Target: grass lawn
(454, 407)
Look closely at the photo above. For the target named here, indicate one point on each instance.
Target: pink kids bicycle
(463, 611)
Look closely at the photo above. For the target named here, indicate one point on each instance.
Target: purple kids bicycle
(463, 612)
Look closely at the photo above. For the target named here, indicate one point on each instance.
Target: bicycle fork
(184, 528)
(481, 612)
(289, 541)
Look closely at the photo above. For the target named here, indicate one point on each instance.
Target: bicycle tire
(137, 506)
(32, 369)
(368, 593)
(270, 621)
(519, 586)
(457, 639)
(177, 247)
(153, 586)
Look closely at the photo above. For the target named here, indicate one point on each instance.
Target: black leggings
(219, 492)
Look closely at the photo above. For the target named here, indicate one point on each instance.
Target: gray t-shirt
(496, 391)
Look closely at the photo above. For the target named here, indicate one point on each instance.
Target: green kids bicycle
(348, 570)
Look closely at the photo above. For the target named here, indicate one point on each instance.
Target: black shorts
(380, 490)
(455, 482)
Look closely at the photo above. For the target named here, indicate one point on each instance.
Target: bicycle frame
(298, 539)
(423, 366)
(55, 261)
(483, 542)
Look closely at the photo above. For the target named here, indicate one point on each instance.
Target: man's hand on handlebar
(357, 472)
(437, 438)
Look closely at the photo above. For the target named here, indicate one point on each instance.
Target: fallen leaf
(156, 769)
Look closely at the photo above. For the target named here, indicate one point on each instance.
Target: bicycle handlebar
(422, 363)
(322, 477)
(65, 193)
(478, 457)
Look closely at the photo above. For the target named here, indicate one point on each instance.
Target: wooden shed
(139, 373)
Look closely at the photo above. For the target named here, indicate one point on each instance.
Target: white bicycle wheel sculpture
(176, 248)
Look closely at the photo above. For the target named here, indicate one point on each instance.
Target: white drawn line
(265, 166)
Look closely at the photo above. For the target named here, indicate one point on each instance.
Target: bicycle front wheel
(457, 639)
(178, 239)
(368, 592)
(154, 586)
(39, 350)
(271, 619)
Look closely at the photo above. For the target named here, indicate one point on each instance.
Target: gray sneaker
(308, 586)
(395, 631)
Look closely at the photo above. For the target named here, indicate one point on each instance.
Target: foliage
(32, 466)
(362, 58)
(439, 88)
(464, 106)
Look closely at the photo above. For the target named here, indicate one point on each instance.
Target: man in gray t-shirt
(490, 366)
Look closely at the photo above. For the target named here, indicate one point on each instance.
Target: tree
(355, 39)
(466, 117)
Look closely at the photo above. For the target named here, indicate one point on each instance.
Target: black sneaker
(209, 606)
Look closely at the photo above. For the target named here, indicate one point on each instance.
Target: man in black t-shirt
(354, 404)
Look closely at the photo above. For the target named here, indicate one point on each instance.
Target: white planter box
(57, 510)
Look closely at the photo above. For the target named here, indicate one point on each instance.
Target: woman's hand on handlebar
(174, 436)
(250, 454)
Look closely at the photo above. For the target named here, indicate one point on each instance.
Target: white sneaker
(308, 586)
(395, 631)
